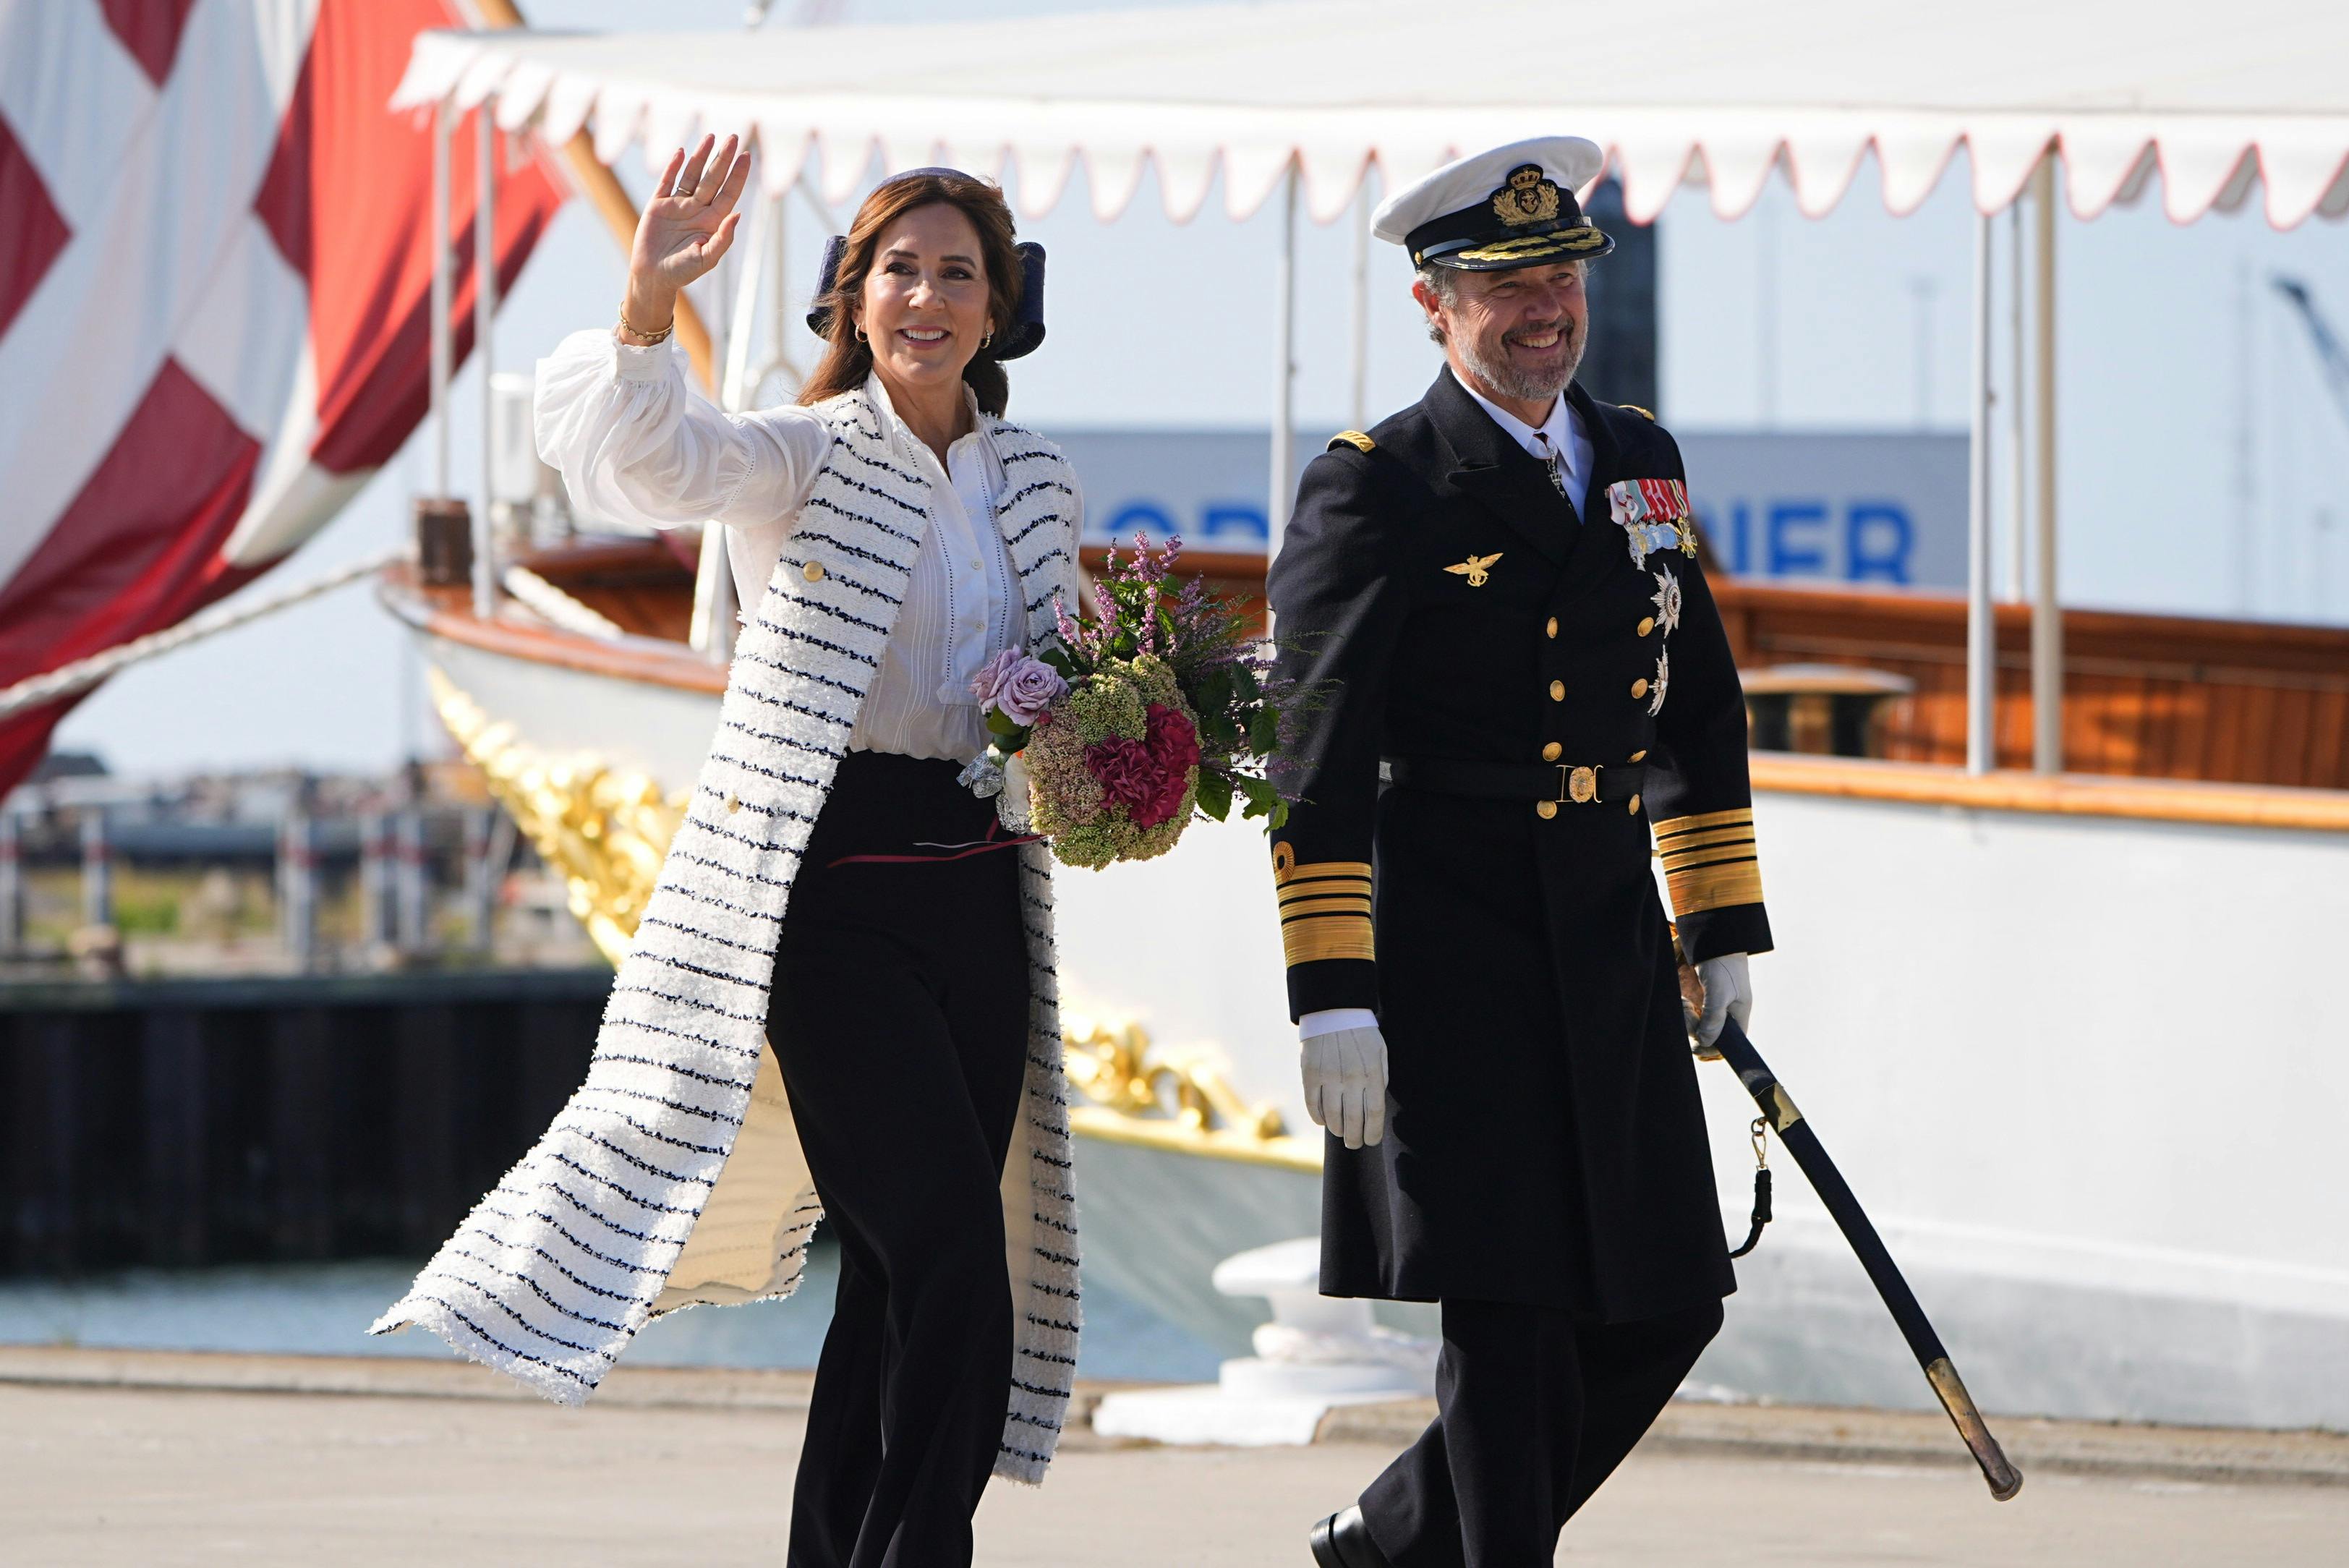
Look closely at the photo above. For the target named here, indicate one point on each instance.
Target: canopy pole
(2047, 613)
(1981, 627)
(2018, 478)
(443, 350)
(485, 307)
(1359, 361)
(1284, 380)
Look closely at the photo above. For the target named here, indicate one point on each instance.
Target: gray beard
(1511, 382)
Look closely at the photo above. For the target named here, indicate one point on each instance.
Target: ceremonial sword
(1796, 1133)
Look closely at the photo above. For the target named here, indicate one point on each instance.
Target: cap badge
(1529, 197)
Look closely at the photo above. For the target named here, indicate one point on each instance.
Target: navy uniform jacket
(1545, 1142)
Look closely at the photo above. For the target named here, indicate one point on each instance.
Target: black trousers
(1533, 1411)
(899, 1017)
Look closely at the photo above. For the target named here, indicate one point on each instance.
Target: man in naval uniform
(1528, 692)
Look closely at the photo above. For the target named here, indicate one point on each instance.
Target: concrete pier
(185, 1460)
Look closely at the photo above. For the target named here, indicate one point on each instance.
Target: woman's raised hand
(686, 227)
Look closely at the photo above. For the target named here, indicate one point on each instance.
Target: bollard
(12, 883)
(414, 889)
(97, 869)
(297, 888)
(375, 883)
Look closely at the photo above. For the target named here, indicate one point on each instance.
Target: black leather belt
(1567, 783)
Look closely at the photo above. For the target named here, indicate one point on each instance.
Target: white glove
(1728, 993)
(1346, 1083)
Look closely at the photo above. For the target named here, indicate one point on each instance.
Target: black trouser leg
(1533, 1413)
(1629, 1373)
(843, 1421)
(899, 1017)
(1473, 1491)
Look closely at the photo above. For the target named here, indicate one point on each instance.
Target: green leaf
(1000, 723)
(1214, 795)
(1264, 731)
(1263, 799)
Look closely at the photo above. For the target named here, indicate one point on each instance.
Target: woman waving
(840, 999)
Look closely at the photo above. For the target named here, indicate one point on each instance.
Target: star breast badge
(1477, 569)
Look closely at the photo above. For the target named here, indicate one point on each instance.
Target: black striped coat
(674, 1177)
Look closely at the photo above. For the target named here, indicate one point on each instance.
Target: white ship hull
(2078, 1066)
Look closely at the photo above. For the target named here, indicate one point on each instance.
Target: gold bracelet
(651, 339)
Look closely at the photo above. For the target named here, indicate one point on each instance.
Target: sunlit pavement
(146, 1476)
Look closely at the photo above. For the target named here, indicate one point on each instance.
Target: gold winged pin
(1477, 569)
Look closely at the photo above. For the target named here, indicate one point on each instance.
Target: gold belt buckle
(1579, 785)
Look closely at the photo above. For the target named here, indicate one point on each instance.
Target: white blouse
(636, 444)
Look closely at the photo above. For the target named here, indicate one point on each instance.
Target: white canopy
(2220, 100)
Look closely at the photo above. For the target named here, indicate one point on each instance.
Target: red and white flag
(215, 269)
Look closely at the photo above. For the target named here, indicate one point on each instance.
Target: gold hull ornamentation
(1186, 1104)
(607, 832)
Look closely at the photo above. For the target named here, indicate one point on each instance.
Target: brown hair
(847, 361)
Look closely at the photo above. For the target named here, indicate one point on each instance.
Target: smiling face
(1518, 334)
(925, 302)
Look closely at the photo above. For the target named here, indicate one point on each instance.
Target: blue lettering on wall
(1791, 557)
(1878, 535)
(1234, 517)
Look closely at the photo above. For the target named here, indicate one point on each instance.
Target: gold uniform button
(733, 802)
(1647, 624)
(1550, 752)
(812, 571)
(1634, 807)
(1638, 687)
(1552, 628)
(1638, 756)
(1557, 690)
(1545, 809)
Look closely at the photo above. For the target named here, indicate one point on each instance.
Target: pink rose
(1017, 687)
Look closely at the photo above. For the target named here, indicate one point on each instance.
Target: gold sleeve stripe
(1285, 869)
(1325, 908)
(1308, 941)
(1352, 906)
(1714, 887)
(1742, 816)
(1711, 855)
(1325, 888)
(1681, 843)
(1673, 868)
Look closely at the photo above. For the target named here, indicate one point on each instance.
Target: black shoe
(1343, 1541)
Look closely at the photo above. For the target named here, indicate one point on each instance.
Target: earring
(988, 339)
(859, 335)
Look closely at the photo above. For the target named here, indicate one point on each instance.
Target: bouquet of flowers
(1109, 738)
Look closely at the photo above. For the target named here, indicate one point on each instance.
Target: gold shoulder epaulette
(1354, 438)
(1646, 414)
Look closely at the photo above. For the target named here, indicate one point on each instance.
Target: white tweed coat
(674, 1176)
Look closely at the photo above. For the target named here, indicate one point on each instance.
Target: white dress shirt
(1561, 442)
(1558, 441)
(636, 446)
